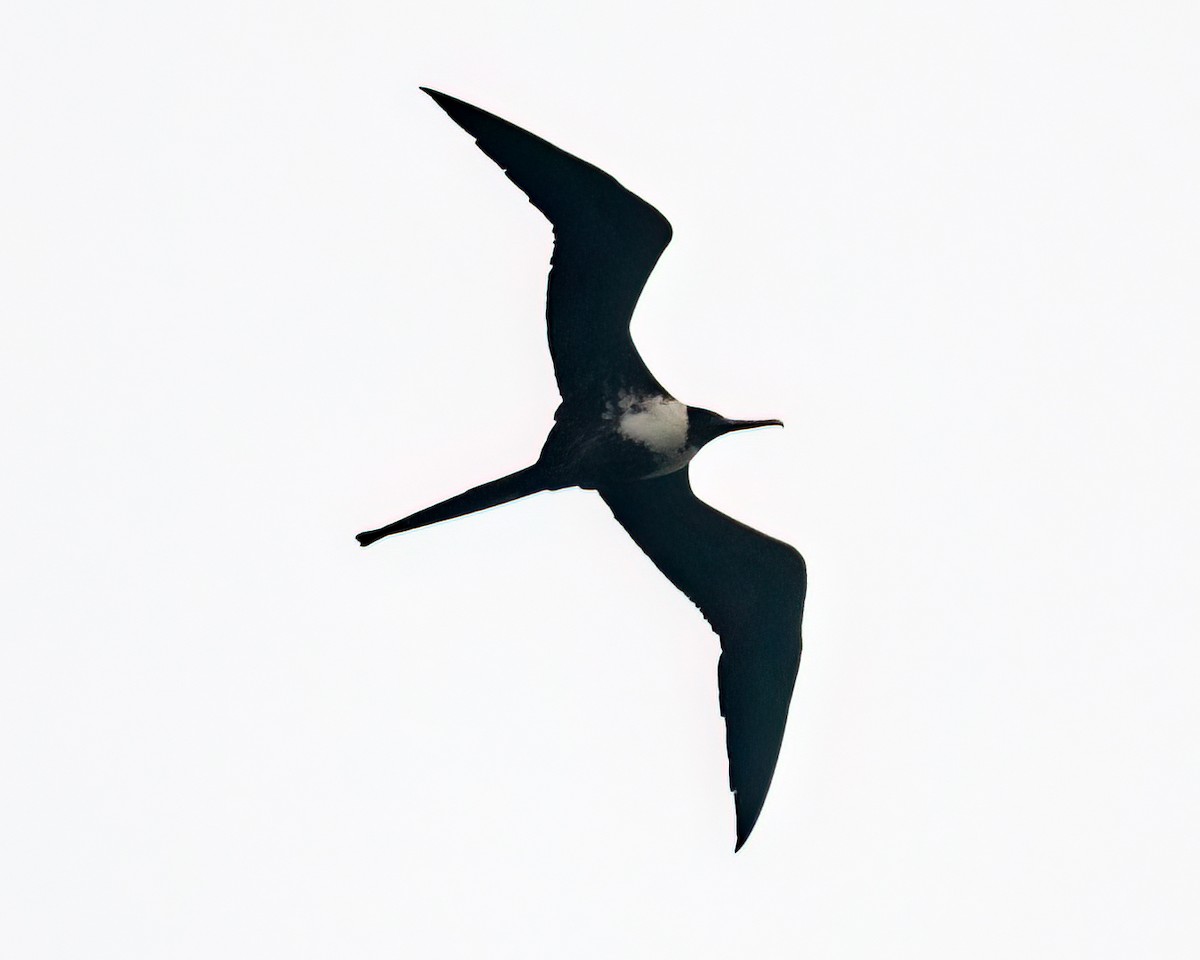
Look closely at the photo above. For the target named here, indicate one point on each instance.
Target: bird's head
(704, 425)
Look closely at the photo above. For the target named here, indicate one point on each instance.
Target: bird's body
(634, 437)
(619, 432)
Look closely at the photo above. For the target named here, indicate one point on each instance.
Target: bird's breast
(659, 424)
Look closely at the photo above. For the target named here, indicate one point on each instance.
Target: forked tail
(513, 487)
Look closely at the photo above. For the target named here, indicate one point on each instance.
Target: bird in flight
(620, 433)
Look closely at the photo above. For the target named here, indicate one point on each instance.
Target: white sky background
(259, 294)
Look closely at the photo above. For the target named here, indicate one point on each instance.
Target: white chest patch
(654, 422)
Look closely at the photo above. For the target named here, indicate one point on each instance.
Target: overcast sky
(259, 294)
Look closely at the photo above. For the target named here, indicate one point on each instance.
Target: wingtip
(745, 817)
(441, 99)
(457, 110)
(744, 830)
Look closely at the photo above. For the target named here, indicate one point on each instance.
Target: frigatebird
(619, 432)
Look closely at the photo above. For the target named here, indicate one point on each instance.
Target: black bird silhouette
(617, 431)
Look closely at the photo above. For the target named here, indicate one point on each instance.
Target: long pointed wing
(606, 242)
(750, 588)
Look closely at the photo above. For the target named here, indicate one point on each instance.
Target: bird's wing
(750, 588)
(606, 242)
